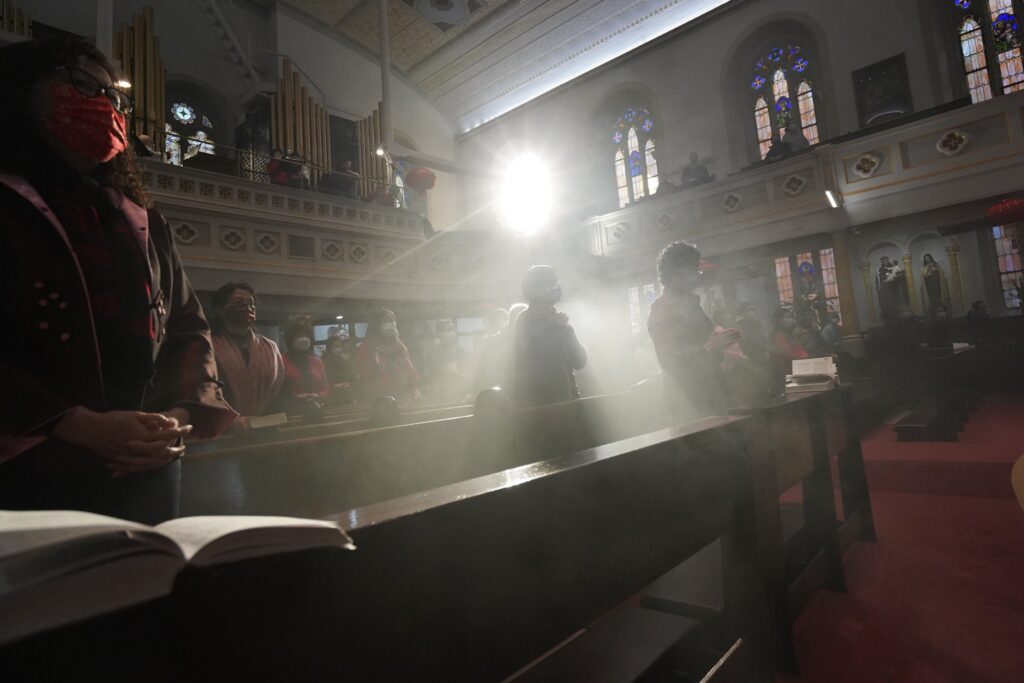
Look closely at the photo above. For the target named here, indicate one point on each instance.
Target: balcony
(965, 155)
(294, 242)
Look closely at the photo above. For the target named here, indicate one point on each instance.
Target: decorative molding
(438, 260)
(185, 234)
(617, 233)
(359, 253)
(268, 242)
(232, 239)
(666, 222)
(731, 202)
(953, 142)
(867, 165)
(794, 185)
(331, 250)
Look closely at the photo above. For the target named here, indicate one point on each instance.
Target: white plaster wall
(685, 76)
(350, 80)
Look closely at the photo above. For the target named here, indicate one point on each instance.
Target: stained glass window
(1006, 37)
(764, 126)
(995, 33)
(636, 166)
(975, 65)
(620, 178)
(784, 280)
(1011, 275)
(828, 278)
(808, 116)
(652, 167)
(172, 145)
(775, 107)
(780, 88)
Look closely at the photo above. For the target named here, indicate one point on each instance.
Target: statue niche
(891, 284)
(934, 288)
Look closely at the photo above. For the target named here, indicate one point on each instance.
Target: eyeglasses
(88, 85)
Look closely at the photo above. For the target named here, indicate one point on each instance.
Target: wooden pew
(463, 583)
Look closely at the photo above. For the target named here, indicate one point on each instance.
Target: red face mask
(88, 126)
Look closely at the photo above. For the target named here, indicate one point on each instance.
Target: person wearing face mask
(546, 351)
(690, 349)
(249, 364)
(382, 361)
(307, 376)
(112, 363)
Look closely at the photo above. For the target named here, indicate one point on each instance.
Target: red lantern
(1006, 211)
(708, 269)
(420, 179)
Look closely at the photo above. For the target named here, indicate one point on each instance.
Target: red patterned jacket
(49, 353)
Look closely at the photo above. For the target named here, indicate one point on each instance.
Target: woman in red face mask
(107, 362)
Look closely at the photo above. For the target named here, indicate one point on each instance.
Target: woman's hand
(720, 339)
(130, 441)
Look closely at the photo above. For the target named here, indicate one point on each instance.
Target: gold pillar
(957, 282)
(908, 274)
(844, 280)
(869, 290)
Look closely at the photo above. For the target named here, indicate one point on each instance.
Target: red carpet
(940, 597)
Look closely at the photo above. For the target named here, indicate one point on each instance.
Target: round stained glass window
(962, 4)
(183, 112)
(758, 82)
(800, 65)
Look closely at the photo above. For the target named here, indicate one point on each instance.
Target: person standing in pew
(108, 362)
(690, 350)
(383, 363)
(306, 376)
(546, 350)
(250, 365)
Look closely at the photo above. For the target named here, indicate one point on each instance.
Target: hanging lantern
(1006, 211)
(708, 269)
(420, 179)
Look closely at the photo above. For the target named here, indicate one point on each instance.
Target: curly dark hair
(675, 256)
(25, 151)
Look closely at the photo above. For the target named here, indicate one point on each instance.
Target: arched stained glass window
(764, 125)
(1006, 36)
(808, 117)
(620, 178)
(990, 40)
(774, 103)
(780, 88)
(652, 167)
(972, 42)
(636, 166)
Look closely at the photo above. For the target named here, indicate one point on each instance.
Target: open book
(811, 374)
(60, 566)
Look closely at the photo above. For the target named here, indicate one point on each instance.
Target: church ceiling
(477, 59)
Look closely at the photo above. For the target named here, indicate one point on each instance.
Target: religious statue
(892, 288)
(934, 288)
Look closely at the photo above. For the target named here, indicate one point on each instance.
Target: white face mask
(301, 344)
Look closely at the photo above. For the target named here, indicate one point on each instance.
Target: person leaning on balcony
(108, 362)
(250, 365)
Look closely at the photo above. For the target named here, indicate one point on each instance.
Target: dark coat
(546, 354)
(49, 353)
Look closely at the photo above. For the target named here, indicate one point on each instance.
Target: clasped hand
(130, 441)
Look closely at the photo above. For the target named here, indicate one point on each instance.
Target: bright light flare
(525, 194)
(831, 199)
(123, 84)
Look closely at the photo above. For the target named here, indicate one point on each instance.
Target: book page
(213, 539)
(814, 366)
(23, 531)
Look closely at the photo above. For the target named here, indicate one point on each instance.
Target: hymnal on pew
(60, 566)
(812, 374)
